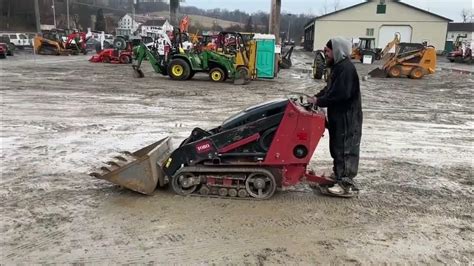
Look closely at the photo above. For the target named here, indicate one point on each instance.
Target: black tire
(3, 56)
(244, 71)
(395, 71)
(451, 60)
(179, 75)
(416, 73)
(217, 74)
(120, 43)
(319, 66)
(191, 75)
(125, 59)
(84, 51)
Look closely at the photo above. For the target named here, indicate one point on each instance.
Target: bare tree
(467, 15)
(336, 4)
(324, 8)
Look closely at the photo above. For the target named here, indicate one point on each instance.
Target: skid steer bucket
(139, 171)
(378, 73)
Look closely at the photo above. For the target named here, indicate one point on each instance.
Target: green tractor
(183, 65)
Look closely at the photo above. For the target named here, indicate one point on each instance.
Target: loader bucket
(139, 171)
(378, 73)
(242, 76)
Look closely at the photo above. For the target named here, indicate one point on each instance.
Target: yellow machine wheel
(395, 71)
(217, 74)
(417, 73)
(179, 69)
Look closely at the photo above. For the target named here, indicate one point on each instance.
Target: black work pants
(344, 144)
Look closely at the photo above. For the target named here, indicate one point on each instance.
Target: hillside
(206, 22)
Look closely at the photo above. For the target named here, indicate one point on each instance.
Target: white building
(460, 32)
(155, 26)
(127, 25)
(378, 19)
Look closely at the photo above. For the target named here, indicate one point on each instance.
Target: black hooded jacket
(344, 110)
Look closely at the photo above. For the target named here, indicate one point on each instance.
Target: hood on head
(341, 49)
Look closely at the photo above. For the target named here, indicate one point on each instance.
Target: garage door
(387, 33)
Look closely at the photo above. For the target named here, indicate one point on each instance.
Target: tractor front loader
(183, 66)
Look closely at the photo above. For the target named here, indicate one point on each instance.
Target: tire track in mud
(173, 248)
(285, 224)
(37, 244)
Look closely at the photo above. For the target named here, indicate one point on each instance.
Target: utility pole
(37, 17)
(67, 14)
(275, 19)
(54, 14)
(133, 17)
(289, 26)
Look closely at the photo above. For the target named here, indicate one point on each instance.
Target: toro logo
(204, 146)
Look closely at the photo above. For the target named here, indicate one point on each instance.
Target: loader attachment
(378, 73)
(242, 76)
(139, 171)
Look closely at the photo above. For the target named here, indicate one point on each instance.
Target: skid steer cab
(250, 155)
(181, 65)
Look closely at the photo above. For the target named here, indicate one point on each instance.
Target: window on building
(381, 9)
(369, 32)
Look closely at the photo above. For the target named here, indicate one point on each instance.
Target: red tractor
(115, 55)
(461, 56)
(112, 55)
(77, 41)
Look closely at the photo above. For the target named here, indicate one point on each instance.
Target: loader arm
(390, 45)
(223, 60)
(143, 52)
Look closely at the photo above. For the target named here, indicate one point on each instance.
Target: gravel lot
(62, 116)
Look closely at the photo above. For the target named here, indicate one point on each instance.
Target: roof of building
(139, 18)
(462, 26)
(155, 22)
(368, 1)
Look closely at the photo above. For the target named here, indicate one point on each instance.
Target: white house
(155, 26)
(378, 19)
(127, 25)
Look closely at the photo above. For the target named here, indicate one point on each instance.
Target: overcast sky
(446, 8)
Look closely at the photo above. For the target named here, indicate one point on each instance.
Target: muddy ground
(62, 116)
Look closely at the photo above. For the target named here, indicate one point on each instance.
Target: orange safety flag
(183, 25)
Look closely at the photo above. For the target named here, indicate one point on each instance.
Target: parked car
(10, 47)
(20, 40)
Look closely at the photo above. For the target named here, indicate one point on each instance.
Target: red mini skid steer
(250, 155)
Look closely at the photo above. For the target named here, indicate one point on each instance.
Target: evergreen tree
(249, 25)
(100, 20)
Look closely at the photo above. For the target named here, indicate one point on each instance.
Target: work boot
(337, 189)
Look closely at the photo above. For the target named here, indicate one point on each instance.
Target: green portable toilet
(265, 62)
(449, 46)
